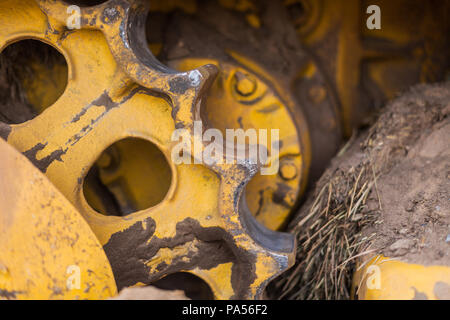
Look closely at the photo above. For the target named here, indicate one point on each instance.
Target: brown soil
(387, 191)
(411, 146)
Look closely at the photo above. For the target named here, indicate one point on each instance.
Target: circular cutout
(130, 175)
(33, 75)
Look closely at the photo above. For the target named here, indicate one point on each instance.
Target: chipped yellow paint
(382, 278)
(47, 250)
(111, 95)
(271, 112)
(223, 290)
(167, 254)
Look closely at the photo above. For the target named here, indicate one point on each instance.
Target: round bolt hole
(288, 170)
(130, 175)
(244, 84)
(33, 75)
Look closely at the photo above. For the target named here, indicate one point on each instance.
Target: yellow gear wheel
(117, 90)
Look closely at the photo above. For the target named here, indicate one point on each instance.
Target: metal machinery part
(334, 78)
(105, 143)
(238, 98)
(289, 93)
(370, 67)
(244, 95)
(206, 230)
(383, 278)
(44, 241)
(271, 198)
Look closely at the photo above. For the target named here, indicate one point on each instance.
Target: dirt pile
(415, 190)
(387, 191)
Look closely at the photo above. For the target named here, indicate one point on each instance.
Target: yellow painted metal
(244, 96)
(368, 67)
(110, 96)
(47, 250)
(251, 102)
(249, 98)
(383, 278)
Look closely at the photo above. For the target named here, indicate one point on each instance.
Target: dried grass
(328, 235)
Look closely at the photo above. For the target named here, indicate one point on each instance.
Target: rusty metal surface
(116, 89)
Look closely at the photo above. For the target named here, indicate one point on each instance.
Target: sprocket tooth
(268, 252)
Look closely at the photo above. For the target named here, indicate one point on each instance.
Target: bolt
(245, 85)
(288, 170)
